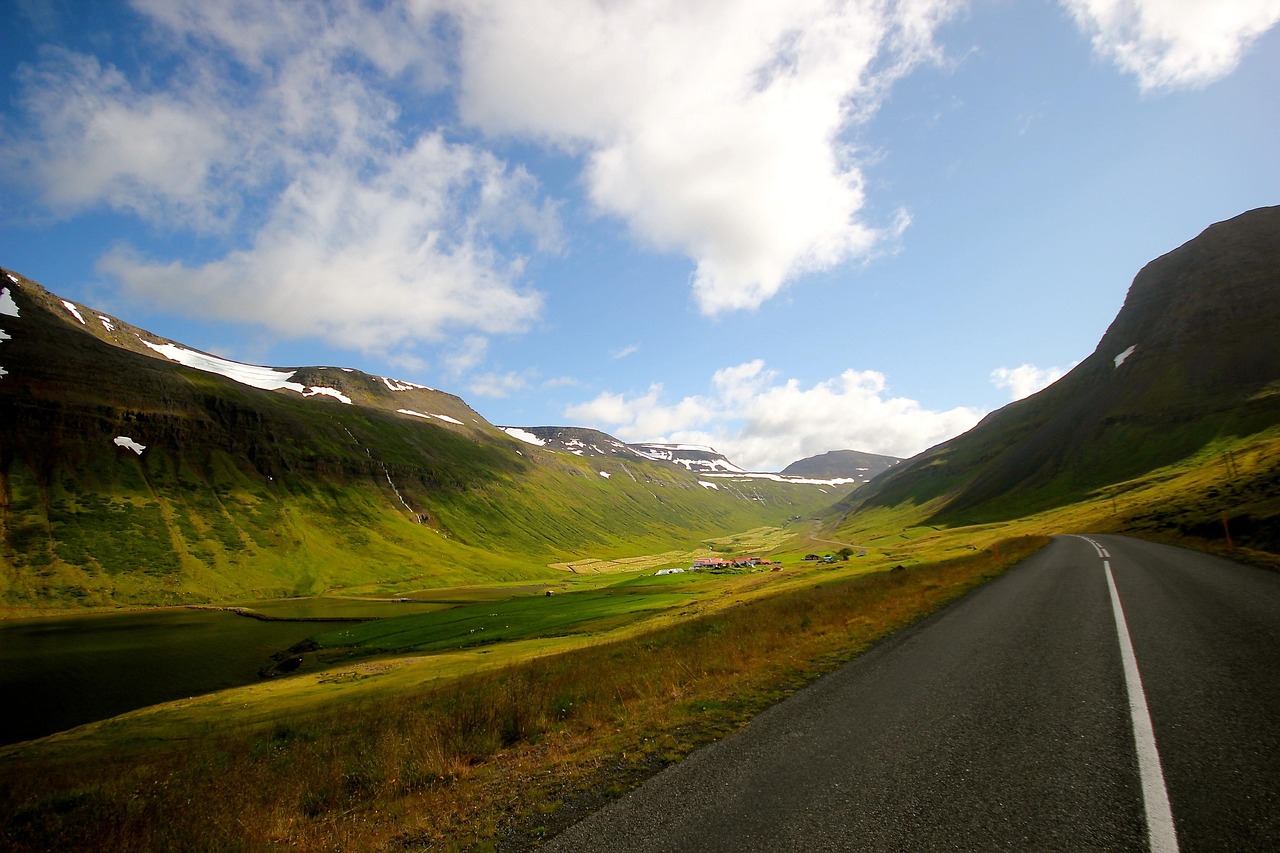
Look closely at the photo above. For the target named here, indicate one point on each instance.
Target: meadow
(461, 748)
(412, 733)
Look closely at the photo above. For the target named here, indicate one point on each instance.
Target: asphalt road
(1005, 722)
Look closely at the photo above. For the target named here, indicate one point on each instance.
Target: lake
(58, 673)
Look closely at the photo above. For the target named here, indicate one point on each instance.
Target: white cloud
(623, 352)
(763, 422)
(371, 261)
(1174, 44)
(276, 128)
(716, 130)
(293, 132)
(1026, 379)
(94, 138)
(499, 385)
(467, 355)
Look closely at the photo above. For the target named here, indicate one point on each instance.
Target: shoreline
(250, 613)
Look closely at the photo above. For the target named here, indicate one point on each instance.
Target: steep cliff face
(1192, 356)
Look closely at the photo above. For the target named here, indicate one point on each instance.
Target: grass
(499, 745)
(208, 531)
(431, 752)
(521, 618)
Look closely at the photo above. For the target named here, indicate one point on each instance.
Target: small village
(719, 563)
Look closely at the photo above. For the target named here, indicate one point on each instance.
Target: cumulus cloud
(764, 422)
(370, 261)
(717, 130)
(1026, 379)
(275, 128)
(499, 385)
(293, 132)
(1174, 44)
(98, 139)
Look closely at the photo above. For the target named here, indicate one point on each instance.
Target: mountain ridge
(856, 464)
(128, 475)
(1191, 358)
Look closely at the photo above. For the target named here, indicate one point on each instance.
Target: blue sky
(774, 228)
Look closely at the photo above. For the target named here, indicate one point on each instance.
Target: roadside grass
(420, 753)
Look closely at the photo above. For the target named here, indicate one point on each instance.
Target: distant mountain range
(135, 469)
(1190, 368)
(837, 466)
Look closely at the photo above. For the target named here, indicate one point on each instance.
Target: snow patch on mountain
(330, 392)
(10, 309)
(265, 378)
(1120, 359)
(445, 418)
(524, 435)
(70, 306)
(707, 485)
(399, 385)
(106, 323)
(692, 457)
(127, 442)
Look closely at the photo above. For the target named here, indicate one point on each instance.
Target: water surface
(57, 673)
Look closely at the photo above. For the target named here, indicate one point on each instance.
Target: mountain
(1190, 365)
(136, 470)
(837, 467)
(852, 464)
(593, 443)
(579, 441)
(691, 457)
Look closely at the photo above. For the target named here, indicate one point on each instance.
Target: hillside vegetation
(243, 492)
(1188, 371)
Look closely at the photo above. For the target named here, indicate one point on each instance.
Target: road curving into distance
(1010, 721)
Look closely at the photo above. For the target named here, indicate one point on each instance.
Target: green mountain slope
(245, 492)
(1191, 363)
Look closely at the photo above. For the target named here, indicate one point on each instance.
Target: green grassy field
(516, 619)
(447, 748)
(414, 732)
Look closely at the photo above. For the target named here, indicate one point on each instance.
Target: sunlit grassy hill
(1188, 372)
(303, 481)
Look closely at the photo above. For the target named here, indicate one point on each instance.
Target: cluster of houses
(736, 563)
(721, 563)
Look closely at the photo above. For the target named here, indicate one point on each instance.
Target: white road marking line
(1161, 835)
(1097, 547)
